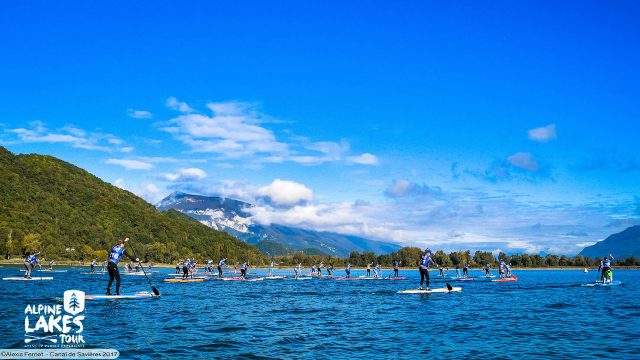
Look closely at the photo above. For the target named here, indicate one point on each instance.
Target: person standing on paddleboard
(369, 270)
(424, 268)
(465, 270)
(30, 263)
(297, 270)
(607, 274)
(271, 265)
(51, 264)
(185, 268)
(348, 270)
(243, 270)
(116, 254)
(93, 266)
(395, 268)
(330, 270)
(221, 263)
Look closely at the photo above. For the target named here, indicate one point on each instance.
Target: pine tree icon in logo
(74, 301)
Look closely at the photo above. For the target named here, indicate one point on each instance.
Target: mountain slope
(233, 217)
(50, 205)
(621, 245)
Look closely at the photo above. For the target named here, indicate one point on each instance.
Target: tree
(30, 243)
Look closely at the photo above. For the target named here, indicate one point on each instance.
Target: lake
(545, 314)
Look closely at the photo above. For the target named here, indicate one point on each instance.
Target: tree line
(410, 256)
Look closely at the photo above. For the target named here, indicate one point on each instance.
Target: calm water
(546, 314)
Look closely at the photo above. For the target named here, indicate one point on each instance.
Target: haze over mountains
(234, 217)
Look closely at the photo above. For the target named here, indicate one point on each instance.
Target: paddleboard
(275, 277)
(340, 278)
(94, 273)
(438, 290)
(465, 279)
(242, 279)
(140, 295)
(396, 278)
(511, 279)
(45, 270)
(184, 280)
(134, 273)
(35, 278)
(615, 283)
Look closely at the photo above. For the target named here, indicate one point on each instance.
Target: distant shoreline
(172, 266)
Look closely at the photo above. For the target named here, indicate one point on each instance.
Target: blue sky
(482, 125)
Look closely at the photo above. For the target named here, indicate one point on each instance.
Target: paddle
(449, 287)
(153, 288)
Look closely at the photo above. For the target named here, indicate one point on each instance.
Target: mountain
(621, 245)
(233, 217)
(50, 205)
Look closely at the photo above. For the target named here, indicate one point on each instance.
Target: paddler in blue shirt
(243, 270)
(376, 271)
(30, 263)
(395, 268)
(501, 269)
(348, 270)
(465, 270)
(508, 268)
(330, 270)
(117, 251)
(424, 268)
(487, 270)
(607, 274)
(221, 263)
(186, 265)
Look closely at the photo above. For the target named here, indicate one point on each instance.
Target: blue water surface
(546, 314)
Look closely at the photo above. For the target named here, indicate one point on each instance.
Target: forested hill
(50, 205)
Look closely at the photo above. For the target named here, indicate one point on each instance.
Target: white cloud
(174, 104)
(131, 164)
(236, 130)
(69, 135)
(364, 159)
(543, 134)
(286, 193)
(126, 149)
(523, 160)
(139, 114)
(148, 191)
(189, 174)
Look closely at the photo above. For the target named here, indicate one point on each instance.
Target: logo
(57, 326)
(73, 302)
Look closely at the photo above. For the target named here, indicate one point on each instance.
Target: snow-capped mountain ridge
(232, 217)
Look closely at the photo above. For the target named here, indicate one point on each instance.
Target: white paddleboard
(140, 295)
(438, 290)
(134, 273)
(615, 283)
(35, 278)
(275, 277)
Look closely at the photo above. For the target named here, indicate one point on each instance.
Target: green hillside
(50, 205)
